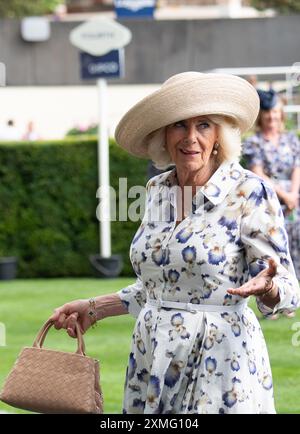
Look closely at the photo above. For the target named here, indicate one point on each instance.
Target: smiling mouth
(185, 152)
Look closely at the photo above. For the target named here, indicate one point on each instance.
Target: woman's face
(190, 142)
(271, 119)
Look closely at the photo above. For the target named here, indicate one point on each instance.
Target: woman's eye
(203, 125)
(179, 124)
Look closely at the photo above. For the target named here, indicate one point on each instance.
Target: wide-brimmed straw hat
(183, 96)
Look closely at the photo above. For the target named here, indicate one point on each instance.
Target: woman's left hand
(257, 285)
(292, 200)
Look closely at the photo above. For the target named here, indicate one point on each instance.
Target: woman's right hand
(68, 314)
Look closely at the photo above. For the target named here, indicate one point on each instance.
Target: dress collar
(220, 183)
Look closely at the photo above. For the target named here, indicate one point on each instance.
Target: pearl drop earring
(215, 148)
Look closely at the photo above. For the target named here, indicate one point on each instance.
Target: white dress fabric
(213, 360)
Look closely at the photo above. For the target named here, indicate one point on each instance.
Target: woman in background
(274, 155)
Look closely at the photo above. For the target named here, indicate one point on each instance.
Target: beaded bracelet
(92, 311)
(269, 287)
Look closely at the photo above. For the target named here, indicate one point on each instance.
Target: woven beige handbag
(49, 381)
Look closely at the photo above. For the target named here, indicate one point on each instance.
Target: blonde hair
(229, 139)
(258, 123)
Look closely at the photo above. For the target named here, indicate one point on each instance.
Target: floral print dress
(213, 360)
(278, 163)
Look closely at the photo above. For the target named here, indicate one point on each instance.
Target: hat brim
(195, 94)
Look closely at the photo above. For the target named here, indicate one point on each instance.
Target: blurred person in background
(274, 155)
(10, 132)
(30, 133)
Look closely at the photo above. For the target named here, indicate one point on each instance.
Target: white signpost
(99, 37)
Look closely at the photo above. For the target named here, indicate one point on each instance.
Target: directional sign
(111, 65)
(135, 8)
(98, 37)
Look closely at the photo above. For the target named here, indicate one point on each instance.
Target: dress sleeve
(134, 296)
(252, 152)
(263, 236)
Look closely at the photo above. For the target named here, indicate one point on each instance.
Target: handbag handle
(39, 340)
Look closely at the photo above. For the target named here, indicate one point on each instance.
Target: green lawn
(26, 304)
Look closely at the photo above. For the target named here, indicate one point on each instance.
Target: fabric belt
(194, 308)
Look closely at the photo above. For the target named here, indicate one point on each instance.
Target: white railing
(291, 74)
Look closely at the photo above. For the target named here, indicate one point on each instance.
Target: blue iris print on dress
(234, 364)
(154, 344)
(194, 296)
(134, 387)
(173, 276)
(153, 390)
(136, 262)
(235, 174)
(256, 267)
(161, 256)
(173, 373)
(252, 367)
(210, 284)
(202, 403)
(173, 400)
(152, 225)
(189, 254)
(140, 345)
(213, 336)
(230, 224)
(230, 398)
(184, 235)
(170, 281)
(147, 319)
(267, 382)
(227, 299)
(177, 321)
(139, 341)
(278, 239)
(212, 190)
(138, 403)
(131, 366)
(233, 321)
(231, 270)
(138, 234)
(143, 376)
(250, 328)
(258, 195)
(210, 364)
(216, 255)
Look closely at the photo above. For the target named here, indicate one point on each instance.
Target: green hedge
(48, 205)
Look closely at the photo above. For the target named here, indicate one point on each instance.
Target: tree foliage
(21, 8)
(282, 6)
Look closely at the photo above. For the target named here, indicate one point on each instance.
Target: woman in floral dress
(212, 235)
(274, 155)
